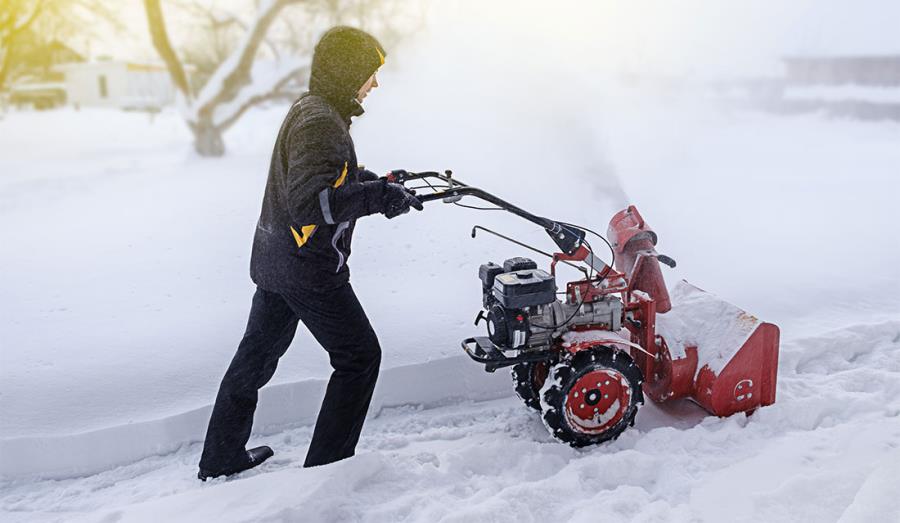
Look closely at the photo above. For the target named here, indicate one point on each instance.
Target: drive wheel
(528, 378)
(592, 398)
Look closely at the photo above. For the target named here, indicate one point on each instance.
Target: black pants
(337, 321)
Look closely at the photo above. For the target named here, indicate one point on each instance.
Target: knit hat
(344, 59)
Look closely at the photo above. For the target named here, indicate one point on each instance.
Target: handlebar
(566, 237)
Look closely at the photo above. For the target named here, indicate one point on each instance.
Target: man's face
(370, 84)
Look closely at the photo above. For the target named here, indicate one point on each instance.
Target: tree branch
(8, 16)
(163, 46)
(38, 7)
(234, 73)
(255, 100)
(222, 19)
(250, 97)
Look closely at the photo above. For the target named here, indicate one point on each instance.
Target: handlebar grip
(433, 196)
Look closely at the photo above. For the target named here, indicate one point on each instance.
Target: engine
(522, 311)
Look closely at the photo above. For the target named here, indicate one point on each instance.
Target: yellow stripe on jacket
(342, 177)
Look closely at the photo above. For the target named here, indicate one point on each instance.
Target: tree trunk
(163, 45)
(3, 54)
(208, 139)
(5, 59)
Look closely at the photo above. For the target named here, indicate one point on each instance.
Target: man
(314, 194)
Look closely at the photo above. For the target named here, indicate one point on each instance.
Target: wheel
(592, 398)
(528, 378)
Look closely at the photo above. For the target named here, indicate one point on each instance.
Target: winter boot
(255, 457)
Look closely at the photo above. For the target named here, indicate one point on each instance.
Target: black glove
(397, 200)
(366, 175)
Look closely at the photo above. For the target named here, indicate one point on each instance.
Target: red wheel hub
(597, 401)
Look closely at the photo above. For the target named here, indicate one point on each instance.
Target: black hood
(343, 60)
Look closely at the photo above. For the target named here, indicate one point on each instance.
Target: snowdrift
(281, 406)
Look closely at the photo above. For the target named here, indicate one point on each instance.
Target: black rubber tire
(565, 374)
(528, 378)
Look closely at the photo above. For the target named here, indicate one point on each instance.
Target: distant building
(119, 84)
(51, 74)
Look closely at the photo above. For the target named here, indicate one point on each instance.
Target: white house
(119, 84)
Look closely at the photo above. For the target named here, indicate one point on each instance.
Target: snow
(125, 291)
(284, 405)
(701, 319)
(876, 497)
(823, 452)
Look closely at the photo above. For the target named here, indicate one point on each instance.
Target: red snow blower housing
(586, 361)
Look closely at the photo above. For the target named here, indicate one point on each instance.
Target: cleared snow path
(828, 450)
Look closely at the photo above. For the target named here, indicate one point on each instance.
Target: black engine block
(522, 311)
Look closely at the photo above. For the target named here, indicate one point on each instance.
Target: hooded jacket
(315, 191)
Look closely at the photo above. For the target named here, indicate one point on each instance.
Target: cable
(479, 208)
(580, 303)
(590, 274)
(612, 252)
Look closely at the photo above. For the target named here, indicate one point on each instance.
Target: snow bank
(288, 404)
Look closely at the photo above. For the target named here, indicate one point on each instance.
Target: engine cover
(518, 264)
(524, 288)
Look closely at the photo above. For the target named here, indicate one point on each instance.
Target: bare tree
(235, 85)
(214, 35)
(225, 58)
(16, 17)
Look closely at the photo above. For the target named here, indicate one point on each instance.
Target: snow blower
(587, 360)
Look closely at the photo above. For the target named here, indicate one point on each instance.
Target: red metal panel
(747, 382)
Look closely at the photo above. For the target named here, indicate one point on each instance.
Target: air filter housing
(524, 288)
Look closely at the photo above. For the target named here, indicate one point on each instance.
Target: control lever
(666, 260)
